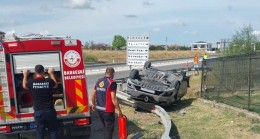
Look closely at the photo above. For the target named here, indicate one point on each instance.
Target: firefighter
(104, 100)
(41, 89)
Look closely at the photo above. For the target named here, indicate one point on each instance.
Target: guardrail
(165, 118)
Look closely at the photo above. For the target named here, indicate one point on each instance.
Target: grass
(90, 58)
(200, 121)
(110, 56)
(256, 129)
(238, 99)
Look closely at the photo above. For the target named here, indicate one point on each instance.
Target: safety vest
(196, 59)
(205, 57)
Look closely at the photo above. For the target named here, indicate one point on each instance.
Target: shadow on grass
(180, 105)
(174, 133)
(132, 128)
(132, 125)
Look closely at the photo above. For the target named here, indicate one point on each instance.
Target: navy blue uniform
(44, 112)
(105, 107)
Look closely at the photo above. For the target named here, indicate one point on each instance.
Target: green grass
(132, 122)
(256, 129)
(90, 58)
(238, 99)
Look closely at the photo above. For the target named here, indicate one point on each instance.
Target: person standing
(104, 100)
(41, 89)
(205, 57)
(196, 61)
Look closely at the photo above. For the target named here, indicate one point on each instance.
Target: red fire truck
(70, 98)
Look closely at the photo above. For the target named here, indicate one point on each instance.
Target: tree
(118, 42)
(242, 42)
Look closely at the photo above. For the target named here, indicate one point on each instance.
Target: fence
(234, 81)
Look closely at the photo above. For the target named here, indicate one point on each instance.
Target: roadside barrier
(165, 118)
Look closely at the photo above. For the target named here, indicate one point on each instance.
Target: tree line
(120, 43)
(243, 42)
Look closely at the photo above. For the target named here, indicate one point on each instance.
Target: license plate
(148, 90)
(67, 123)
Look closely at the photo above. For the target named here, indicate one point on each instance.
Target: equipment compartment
(24, 102)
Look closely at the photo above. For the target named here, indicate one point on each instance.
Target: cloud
(147, 3)
(230, 8)
(230, 22)
(179, 23)
(46, 8)
(190, 32)
(130, 16)
(256, 32)
(5, 23)
(78, 4)
(45, 32)
(156, 29)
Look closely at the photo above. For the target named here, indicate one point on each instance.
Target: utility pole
(224, 42)
(166, 47)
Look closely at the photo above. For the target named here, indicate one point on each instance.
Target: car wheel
(147, 64)
(134, 74)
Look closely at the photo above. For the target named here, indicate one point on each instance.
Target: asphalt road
(96, 129)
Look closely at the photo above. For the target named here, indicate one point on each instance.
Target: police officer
(41, 90)
(105, 102)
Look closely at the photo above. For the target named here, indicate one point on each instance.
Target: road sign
(137, 49)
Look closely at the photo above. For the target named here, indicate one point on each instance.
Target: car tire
(147, 64)
(134, 74)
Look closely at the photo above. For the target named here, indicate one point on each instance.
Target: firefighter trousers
(46, 118)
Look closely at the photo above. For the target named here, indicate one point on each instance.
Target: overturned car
(156, 86)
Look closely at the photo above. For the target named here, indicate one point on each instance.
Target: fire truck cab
(70, 98)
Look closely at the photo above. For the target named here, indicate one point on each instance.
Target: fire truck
(61, 53)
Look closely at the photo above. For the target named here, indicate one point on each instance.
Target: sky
(164, 21)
